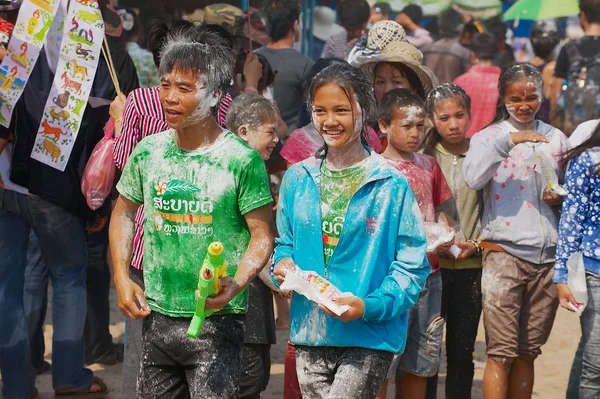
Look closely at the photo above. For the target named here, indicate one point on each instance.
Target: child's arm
(257, 255)
(121, 233)
(407, 274)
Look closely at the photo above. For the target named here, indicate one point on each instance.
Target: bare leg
(495, 379)
(282, 305)
(520, 379)
(413, 386)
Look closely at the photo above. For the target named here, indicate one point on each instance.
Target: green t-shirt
(191, 199)
(337, 189)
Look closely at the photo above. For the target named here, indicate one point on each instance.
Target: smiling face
(406, 130)
(336, 119)
(523, 99)
(388, 77)
(262, 138)
(451, 120)
(184, 98)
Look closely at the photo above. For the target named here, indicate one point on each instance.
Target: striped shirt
(142, 117)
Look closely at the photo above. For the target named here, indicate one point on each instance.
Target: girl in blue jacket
(349, 216)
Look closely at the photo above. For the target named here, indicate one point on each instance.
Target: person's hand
(283, 294)
(231, 288)
(127, 293)
(527, 136)
(253, 70)
(406, 22)
(445, 246)
(282, 268)
(468, 249)
(3, 52)
(551, 198)
(565, 296)
(117, 106)
(356, 311)
(96, 225)
(1, 182)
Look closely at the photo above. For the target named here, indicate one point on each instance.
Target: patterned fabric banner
(34, 21)
(79, 55)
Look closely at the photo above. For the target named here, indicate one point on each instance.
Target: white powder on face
(414, 114)
(206, 101)
(358, 123)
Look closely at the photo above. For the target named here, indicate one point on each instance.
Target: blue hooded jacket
(380, 256)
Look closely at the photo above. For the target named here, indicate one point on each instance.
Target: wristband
(478, 249)
(118, 120)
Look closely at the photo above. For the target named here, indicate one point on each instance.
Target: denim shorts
(421, 356)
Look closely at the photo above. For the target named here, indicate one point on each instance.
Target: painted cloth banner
(79, 55)
(34, 21)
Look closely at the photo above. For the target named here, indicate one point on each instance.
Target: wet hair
(202, 53)
(319, 66)
(545, 36)
(159, 33)
(280, 16)
(353, 13)
(383, 8)
(510, 75)
(409, 74)
(441, 93)
(355, 84)
(250, 109)
(484, 46)
(591, 9)
(397, 98)
(450, 23)
(414, 12)
(592, 142)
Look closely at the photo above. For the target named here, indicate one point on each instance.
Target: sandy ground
(552, 368)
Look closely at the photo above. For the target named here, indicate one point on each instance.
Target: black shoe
(111, 358)
(46, 367)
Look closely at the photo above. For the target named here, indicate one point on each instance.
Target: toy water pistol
(213, 267)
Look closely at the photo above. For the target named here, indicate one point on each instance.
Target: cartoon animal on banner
(33, 22)
(62, 99)
(89, 17)
(51, 149)
(8, 79)
(79, 50)
(42, 32)
(21, 59)
(51, 131)
(68, 83)
(64, 114)
(78, 106)
(78, 36)
(79, 70)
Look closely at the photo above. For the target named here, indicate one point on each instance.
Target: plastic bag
(577, 283)
(540, 164)
(437, 234)
(99, 173)
(315, 288)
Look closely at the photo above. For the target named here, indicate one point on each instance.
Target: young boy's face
(262, 138)
(405, 132)
(184, 98)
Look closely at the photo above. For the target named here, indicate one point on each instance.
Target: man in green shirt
(198, 184)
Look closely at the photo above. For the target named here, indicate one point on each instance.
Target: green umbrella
(537, 10)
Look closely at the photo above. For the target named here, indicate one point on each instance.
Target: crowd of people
(417, 168)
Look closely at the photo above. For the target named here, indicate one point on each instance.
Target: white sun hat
(325, 25)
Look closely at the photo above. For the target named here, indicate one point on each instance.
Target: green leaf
(180, 187)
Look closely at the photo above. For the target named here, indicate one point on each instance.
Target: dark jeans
(133, 346)
(176, 366)
(331, 372)
(62, 242)
(461, 307)
(35, 300)
(256, 369)
(98, 341)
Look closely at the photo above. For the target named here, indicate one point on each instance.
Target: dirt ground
(552, 368)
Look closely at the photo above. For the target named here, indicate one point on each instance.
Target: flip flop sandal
(70, 391)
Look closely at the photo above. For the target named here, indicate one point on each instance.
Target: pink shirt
(481, 84)
(429, 187)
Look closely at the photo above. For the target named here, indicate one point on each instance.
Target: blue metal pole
(304, 24)
(311, 37)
